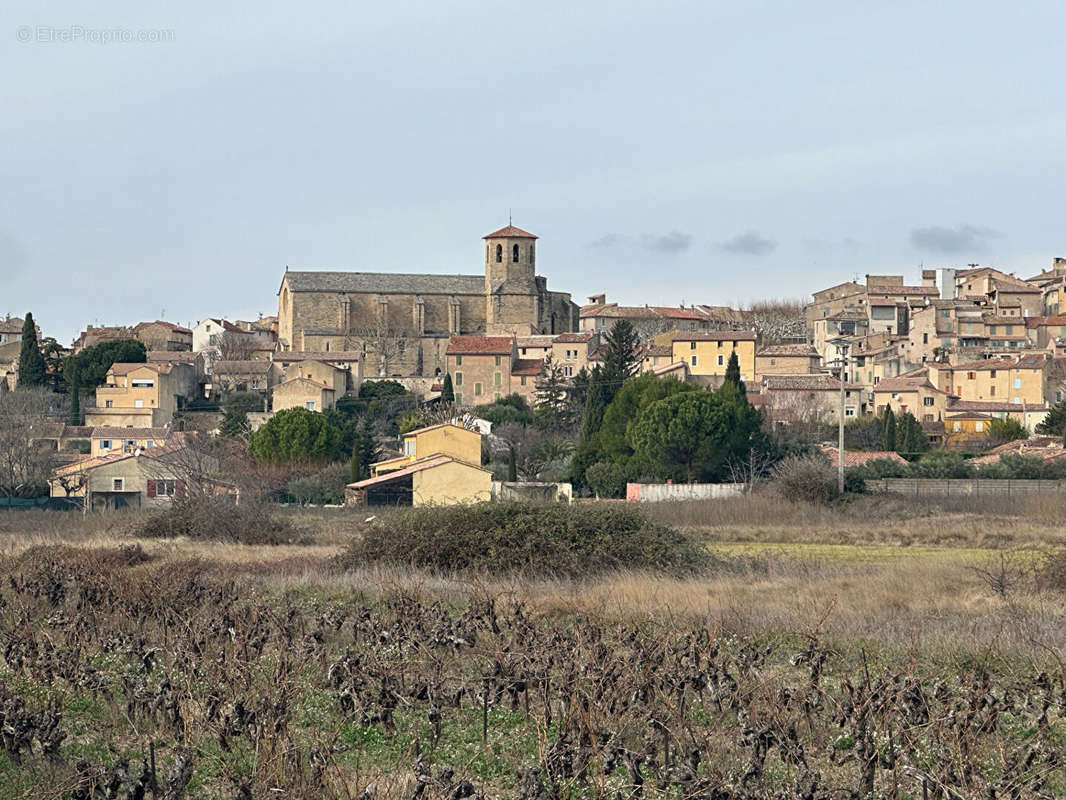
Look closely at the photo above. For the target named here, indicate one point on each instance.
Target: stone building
(403, 322)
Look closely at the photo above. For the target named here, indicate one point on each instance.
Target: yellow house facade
(1020, 380)
(140, 395)
(706, 353)
(303, 393)
(444, 439)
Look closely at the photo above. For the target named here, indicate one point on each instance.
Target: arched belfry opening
(499, 254)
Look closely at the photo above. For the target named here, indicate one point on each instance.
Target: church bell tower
(510, 281)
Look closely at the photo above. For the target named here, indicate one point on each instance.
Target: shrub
(549, 540)
(321, 488)
(219, 519)
(806, 478)
(941, 464)
(606, 479)
(880, 468)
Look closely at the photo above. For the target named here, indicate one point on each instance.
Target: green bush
(941, 464)
(546, 540)
(322, 488)
(607, 479)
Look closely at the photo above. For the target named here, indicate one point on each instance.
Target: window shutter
(151, 488)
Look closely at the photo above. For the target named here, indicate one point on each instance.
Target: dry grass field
(496, 681)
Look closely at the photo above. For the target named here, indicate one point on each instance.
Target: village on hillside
(451, 388)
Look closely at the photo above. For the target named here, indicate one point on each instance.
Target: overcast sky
(664, 151)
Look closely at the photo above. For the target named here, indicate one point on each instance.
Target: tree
(732, 373)
(245, 402)
(235, 345)
(295, 436)
(552, 411)
(53, 354)
(1054, 423)
(777, 321)
(512, 465)
(25, 415)
(888, 431)
(1006, 430)
(90, 366)
(910, 438)
(365, 451)
(697, 434)
(384, 342)
(627, 406)
(75, 400)
(447, 392)
(33, 371)
(234, 424)
(620, 361)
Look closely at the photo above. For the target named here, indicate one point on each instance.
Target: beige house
(706, 354)
(912, 393)
(440, 466)
(571, 351)
(160, 335)
(123, 480)
(787, 359)
(303, 393)
(487, 368)
(142, 395)
(800, 399)
(106, 440)
(253, 375)
(1019, 379)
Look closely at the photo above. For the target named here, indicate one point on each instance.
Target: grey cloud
(672, 242)
(607, 240)
(939, 239)
(749, 243)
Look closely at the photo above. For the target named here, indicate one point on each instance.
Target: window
(925, 338)
(212, 340)
(1010, 329)
(568, 371)
(105, 444)
(992, 330)
(499, 254)
(927, 401)
(458, 379)
(477, 390)
(459, 398)
(1017, 383)
(691, 345)
(531, 254)
(992, 373)
(117, 484)
(927, 418)
(109, 404)
(1016, 400)
(523, 351)
(149, 443)
(138, 404)
(497, 396)
(849, 411)
(522, 380)
(971, 376)
(773, 362)
(979, 426)
(514, 254)
(721, 360)
(956, 426)
(694, 360)
(497, 379)
(142, 383)
(497, 361)
(310, 405)
(458, 361)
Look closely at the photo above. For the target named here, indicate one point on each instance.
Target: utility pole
(842, 350)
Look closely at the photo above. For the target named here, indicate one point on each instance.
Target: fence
(663, 492)
(919, 487)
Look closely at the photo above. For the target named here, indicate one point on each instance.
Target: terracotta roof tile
(805, 383)
(715, 336)
(527, 366)
(856, 459)
(509, 232)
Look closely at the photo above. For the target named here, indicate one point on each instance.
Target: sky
(170, 160)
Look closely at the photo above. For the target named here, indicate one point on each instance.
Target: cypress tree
(595, 404)
(512, 466)
(32, 367)
(732, 374)
(356, 473)
(75, 401)
(620, 360)
(447, 392)
(888, 431)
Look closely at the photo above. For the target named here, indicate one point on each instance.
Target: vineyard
(128, 673)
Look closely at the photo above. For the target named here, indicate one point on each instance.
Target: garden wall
(664, 492)
(917, 487)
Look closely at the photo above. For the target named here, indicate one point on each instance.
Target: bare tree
(752, 470)
(25, 416)
(777, 321)
(440, 413)
(383, 342)
(235, 346)
(539, 455)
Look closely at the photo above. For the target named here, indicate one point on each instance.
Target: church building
(402, 323)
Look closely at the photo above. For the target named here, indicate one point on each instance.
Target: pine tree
(447, 392)
(888, 431)
(33, 371)
(595, 404)
(732, 373)
(552, 410)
